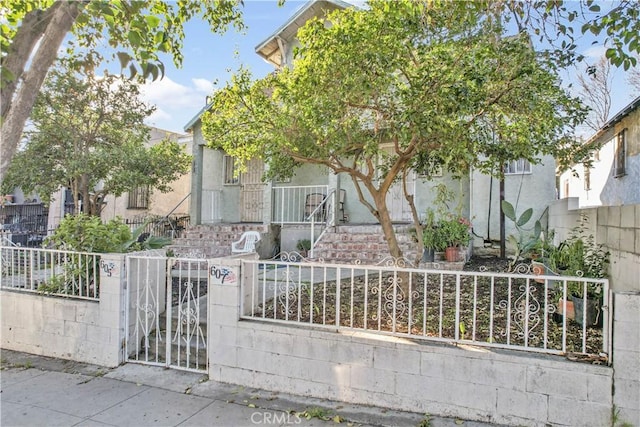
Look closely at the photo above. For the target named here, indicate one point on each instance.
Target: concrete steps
(366, 243)
(212, 240)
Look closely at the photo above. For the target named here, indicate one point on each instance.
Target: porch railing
(156, 225)
(487, 309)
(51, 272)
(294, 204)
(327, 213)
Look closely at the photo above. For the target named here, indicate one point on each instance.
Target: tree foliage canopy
(89, 135)
(398, 86)
(135, 33)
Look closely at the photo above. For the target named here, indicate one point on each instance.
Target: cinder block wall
(504, 387)
(618, 228)
(80, 330)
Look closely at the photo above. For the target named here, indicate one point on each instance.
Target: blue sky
(211, 57)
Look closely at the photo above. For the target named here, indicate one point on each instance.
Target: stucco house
(136, 205)
(220, 197)
(614, 176)
(146, 202)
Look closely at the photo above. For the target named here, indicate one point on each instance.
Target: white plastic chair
(247, 242)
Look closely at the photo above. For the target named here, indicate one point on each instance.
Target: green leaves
(90, 131)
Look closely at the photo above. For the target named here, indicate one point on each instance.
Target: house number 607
(219, 273)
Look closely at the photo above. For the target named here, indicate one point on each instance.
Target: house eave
(195, 119)
(632, 106)
(615, 120)
(269, 49)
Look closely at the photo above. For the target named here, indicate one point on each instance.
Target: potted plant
(304, 246)
(433, 238)
(455, 231)
(578, 256)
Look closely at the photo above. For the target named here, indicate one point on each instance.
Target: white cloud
(169, 95)
(175, 103)
(158, 118)
(595, 52)
(203, 85)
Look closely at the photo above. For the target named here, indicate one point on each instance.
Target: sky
(209, 57)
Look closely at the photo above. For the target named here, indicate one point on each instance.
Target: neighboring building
(614, 176)
(247, 199)
(143, 201)
(134, 206)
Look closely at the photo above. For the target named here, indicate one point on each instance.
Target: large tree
(400, 85)
(88, 134)
(32, 33)
(594, 88)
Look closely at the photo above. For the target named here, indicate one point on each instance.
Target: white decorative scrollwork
(527, 312)
(285, 286)
(146, 317)
(393, 298)
(394, 262)
(189, 318)
(523, 268)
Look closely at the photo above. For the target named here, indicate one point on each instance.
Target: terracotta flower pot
(567, 309)
(451, 254)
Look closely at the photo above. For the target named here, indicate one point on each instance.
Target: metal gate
(252, 193)
(167, 312)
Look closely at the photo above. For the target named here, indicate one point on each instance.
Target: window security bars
(139, 198)
(507, 310)
(230, 171)
(51, 272)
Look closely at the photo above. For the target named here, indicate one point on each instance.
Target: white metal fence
(167, 312)
(294, 204)
(508, 310)
(51, 272)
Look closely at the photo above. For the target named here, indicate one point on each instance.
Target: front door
(252, 194)
(397, 203)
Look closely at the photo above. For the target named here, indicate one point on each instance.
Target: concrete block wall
(626, 356)
(618, 228)
(81, 330)
(474, 383)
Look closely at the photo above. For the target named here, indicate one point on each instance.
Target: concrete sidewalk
(40, 391)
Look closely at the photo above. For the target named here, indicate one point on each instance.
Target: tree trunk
(394, 248)
(27, 35)
(62, 19)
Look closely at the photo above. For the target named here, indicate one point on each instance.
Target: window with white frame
(620, 154)
(229, 170)
(519, 166)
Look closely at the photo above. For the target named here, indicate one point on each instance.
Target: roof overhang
(271, 49)
(615, 119)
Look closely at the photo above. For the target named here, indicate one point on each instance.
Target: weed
(426, 421)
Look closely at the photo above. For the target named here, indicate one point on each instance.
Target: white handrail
(329, 222)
